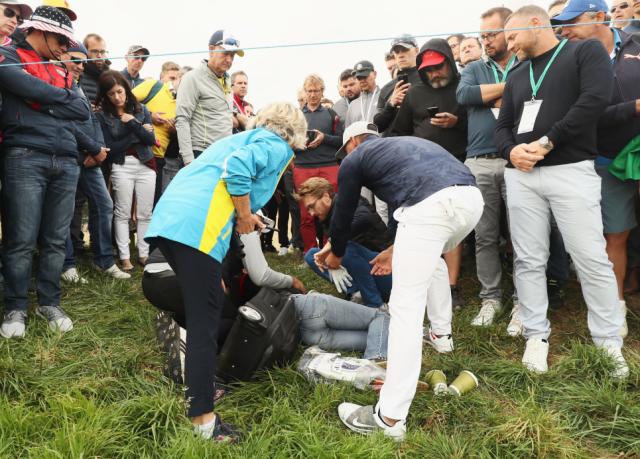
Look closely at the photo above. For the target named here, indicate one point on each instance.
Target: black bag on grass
(266, 333)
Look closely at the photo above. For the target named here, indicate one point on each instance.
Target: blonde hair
(313, 80)
(316, 187)
(285, 120)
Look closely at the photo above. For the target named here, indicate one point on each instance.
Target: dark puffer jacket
(413, 118)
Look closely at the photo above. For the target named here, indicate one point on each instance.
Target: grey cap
(136, 49)
(406, 41)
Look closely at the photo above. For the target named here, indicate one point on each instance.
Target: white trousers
(127, 179)
(572, 193)
(420, 277)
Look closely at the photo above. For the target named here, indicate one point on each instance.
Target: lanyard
(495, 67)
(536, 85)
(369, 106)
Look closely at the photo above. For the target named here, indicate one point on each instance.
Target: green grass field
(99, 391)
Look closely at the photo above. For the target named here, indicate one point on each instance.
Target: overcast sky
(275, 74)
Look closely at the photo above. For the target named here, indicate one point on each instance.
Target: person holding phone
(430, 111)
(404, 50)
(324, 137)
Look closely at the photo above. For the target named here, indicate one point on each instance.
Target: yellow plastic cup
(438, 380)
(464, 383)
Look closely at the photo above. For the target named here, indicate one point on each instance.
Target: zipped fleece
(413, 119)
(203, 112)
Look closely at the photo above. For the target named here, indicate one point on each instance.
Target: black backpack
(266, 333)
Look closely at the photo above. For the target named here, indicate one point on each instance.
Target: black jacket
(620, 123)
(413, 119)
(385, 112)
(119, 136)
(89, 80)
(367, 228)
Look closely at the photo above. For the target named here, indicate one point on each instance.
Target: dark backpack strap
(155, 89)
(335, 118)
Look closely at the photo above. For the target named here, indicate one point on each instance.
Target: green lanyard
(504, 73)
(535, 86)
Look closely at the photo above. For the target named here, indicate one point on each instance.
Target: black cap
(362, 69)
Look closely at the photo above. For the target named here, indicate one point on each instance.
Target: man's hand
(171, 125)
(100, 157)
(156, 118)
(317, 141)
(298, 285)
(382, 263)
(333, 262)
(497, 103)
(248, 224)
(444, 120)
(524, 157)
(320, 257)
(89, 161)
(125, 117)
(397, 96)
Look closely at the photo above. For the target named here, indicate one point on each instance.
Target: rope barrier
(320, 43)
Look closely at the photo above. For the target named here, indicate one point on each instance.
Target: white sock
(206, 430)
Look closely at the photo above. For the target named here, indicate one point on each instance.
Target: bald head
(528, 32)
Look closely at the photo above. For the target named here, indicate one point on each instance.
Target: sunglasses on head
(621, 6)
(228, 41)
(9, 13)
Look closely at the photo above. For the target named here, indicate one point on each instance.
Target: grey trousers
(572, 193)
(489, 174)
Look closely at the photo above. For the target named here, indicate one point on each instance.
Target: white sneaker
(71, 275)
(624, 330)
(515, 325)
(366, 420)
(535, 355)
(621, 370)
(58, 320)
(283, 251)
(441, 344)
(13, 325)
(487, 312)
(116, 272)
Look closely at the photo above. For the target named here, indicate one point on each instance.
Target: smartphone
(404, 78)
(311, 136)
(432, 111)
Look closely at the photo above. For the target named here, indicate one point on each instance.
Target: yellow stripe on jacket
(218, 217)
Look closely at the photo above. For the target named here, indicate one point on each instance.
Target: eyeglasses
(311, 206)
(434, 68)
(9, 13)
(99, 52)
(489, 36)
(621, 6)
(62, 40)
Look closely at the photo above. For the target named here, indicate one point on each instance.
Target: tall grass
(98, 391)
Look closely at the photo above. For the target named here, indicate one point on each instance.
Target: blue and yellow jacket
(196, 208)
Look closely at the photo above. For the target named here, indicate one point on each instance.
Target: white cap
(354, 130)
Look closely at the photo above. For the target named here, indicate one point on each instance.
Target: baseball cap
(575, 8)
(362, 69)
(61, 5)
(406, 41)
(430, 58)
(226, 40)
(78, 48)
(25, 10)
(354, 130)
(138, 48)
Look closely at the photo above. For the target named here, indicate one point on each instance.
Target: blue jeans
(335, 324)
(92, 184)
(39, 197)
(375, 290)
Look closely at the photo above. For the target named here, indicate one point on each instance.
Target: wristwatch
(545, 143)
